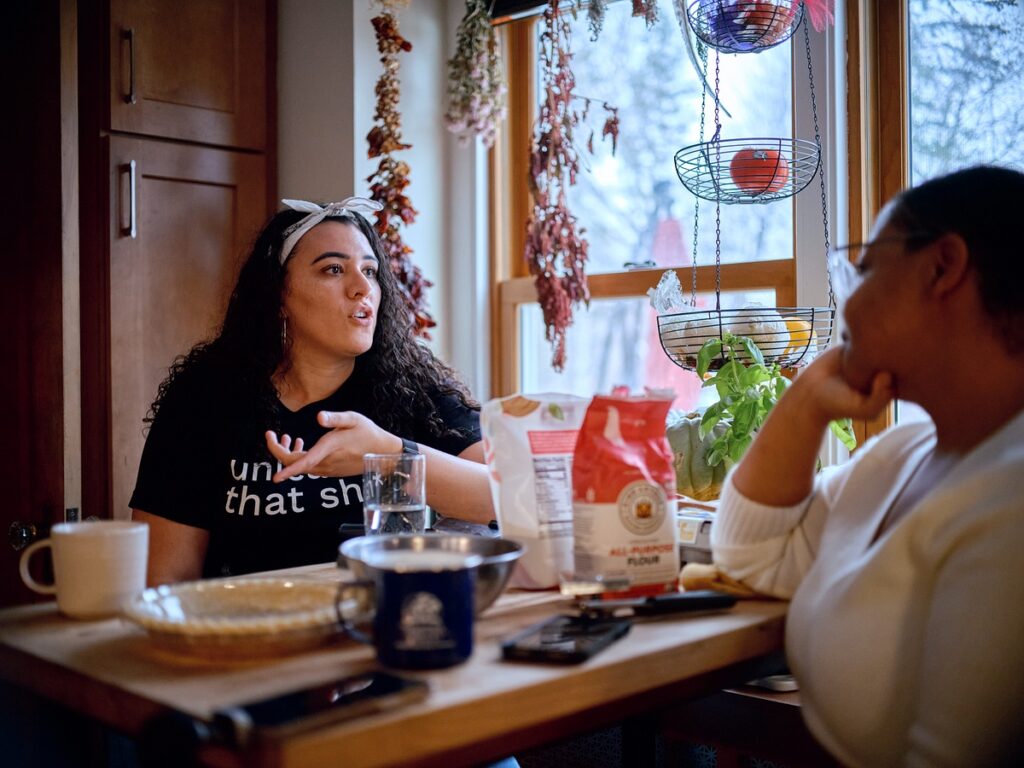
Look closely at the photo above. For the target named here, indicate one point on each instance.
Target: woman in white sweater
(906, 630)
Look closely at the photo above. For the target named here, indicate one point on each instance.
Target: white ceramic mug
(97, 566)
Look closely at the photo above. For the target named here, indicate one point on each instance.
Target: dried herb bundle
(556, 250)
(389, 182)
(552, 240)
(648, 9)
(595, 17)
(476, 88)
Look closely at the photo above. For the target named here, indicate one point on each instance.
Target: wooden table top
(480, 710)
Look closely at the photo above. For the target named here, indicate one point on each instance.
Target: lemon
(801, 337)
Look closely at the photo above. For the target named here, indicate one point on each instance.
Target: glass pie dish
(239, 619)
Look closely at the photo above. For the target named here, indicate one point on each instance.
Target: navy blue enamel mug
(422, 606)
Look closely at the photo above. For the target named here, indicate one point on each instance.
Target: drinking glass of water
(394, 493)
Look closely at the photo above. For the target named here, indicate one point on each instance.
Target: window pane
(966, 91)
(614, 342)
(633, 205)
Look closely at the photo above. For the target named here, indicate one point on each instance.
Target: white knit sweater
(908, 650)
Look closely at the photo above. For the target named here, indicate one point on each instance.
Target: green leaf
(556, 410)
(711, 417)
(843, 429)
(752, 349)
(728, 378)
(751, 376)
(746, 412)
(713, 413)
(740, 447)
(724, 386)
(708, 352)
(715, 455)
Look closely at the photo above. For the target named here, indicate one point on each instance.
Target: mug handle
(35, 586)
(363, 593)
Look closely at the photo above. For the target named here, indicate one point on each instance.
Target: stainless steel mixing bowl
(499, 557)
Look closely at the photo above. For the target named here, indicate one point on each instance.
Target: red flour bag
(623, 484)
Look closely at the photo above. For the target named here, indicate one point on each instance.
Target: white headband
(345, 208)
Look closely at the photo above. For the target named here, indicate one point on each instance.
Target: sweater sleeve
(771, 549)
(767, 548)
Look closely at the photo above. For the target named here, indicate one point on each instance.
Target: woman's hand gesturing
(339, 453)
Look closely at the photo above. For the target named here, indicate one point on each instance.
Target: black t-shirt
(205, 467)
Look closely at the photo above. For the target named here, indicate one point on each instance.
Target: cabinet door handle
(130, 230)
(129, 35)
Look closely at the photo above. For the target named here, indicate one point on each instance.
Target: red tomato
(758, 171)
(768, 19)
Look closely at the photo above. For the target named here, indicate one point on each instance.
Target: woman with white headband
(255, 451)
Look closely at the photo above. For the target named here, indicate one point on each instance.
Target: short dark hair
(980, 204)
(243, 357)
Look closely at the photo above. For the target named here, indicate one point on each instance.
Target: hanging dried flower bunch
(556, 250)
(648, 9)
(822, 13)
(596, 10)
(388, 183)
(476, 88)
(595, 17)
(611, 123)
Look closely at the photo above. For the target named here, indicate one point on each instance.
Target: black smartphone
(343, 699)
(674, 602)
(564, 639)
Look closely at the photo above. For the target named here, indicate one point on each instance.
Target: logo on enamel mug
(421, 626)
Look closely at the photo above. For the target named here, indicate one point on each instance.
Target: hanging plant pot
(695, 478)
(747, 170)
(744, 26)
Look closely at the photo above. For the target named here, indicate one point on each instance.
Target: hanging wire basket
(789, 336)
(744, 26)
(747, 170)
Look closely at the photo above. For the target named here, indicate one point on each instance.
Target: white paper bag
(528, 443)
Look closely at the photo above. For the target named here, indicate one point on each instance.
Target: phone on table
(565, 639)
(343, 699)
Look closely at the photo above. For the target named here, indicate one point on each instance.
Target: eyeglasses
(846, 278)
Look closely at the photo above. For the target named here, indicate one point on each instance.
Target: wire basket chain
(696, 202)
(821, 169)
(718, 197)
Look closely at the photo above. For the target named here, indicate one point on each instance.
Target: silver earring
(284, 332)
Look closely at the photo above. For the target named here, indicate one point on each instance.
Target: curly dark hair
(981, 204)
(250, 348)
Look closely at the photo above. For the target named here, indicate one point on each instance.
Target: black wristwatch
(408, 446)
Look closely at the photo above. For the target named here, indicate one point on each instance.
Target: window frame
(877, 126)
(512, 286)
(873, 136)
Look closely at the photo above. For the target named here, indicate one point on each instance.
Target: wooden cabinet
(183, 218)
(177, 160)
(194, 71)
(37, 252)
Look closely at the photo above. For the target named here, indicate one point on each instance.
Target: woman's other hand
(339, 453)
